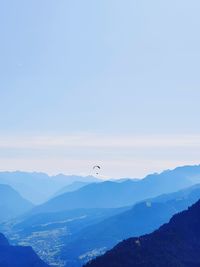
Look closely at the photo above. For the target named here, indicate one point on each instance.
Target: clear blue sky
(101, 70)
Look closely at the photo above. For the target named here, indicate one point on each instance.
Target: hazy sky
(108, 81)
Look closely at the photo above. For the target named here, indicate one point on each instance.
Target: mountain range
(80, 235)
(142, 218)
(111, 194)
(90, 220)
(176, 244)
(39, 187)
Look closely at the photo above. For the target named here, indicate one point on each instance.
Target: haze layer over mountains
(39, 187)
(88, 217)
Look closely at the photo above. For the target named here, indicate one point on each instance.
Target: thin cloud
(120, 156)
(100, 141)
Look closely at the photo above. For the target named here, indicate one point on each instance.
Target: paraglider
(97, 168)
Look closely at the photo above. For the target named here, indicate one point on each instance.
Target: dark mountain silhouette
(39, 187)
(143, 218)
(3, 240)
(16, 256)
(176, 244)
(114, 194)
(11, 203)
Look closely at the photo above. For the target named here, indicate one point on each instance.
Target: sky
(114, 83)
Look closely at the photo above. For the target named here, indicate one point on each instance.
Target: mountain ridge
(175, 244)
(142, 218)
(26, 183)
(110, 194)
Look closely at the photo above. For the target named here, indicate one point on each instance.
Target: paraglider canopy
(97, 168)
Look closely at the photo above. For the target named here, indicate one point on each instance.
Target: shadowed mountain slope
(72, 187)
(11, 203)
(176, 244)
(16, 256)
(143, 218)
